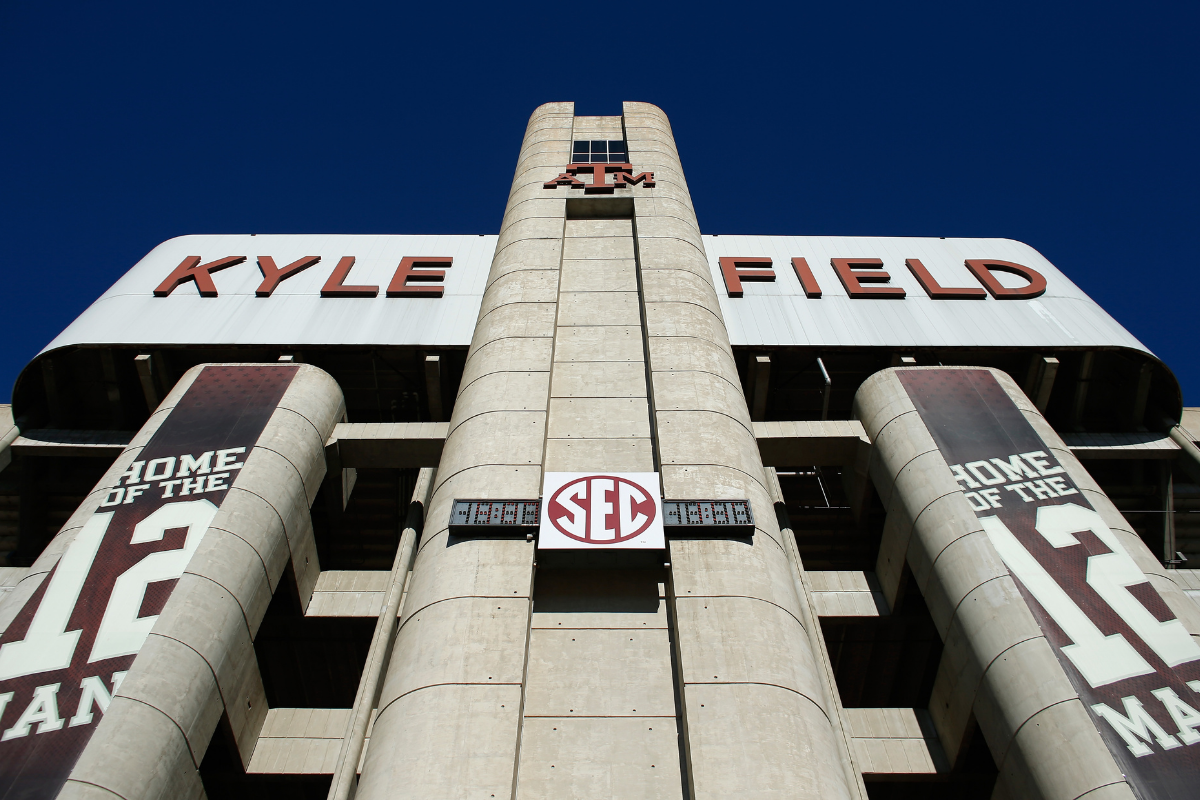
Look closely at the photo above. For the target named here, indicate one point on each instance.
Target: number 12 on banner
(1100, 659)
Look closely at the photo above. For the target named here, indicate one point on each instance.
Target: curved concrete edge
(198, 663)
(997, 667)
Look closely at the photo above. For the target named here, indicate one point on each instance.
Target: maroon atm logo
(409, 279)
(601, 510)
(622, 174)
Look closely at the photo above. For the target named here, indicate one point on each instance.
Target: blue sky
(1068, 126)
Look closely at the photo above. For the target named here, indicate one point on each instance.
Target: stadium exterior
(600, 507)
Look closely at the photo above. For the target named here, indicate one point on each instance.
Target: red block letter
(811, 289)
(733, 275)
(272, 276)
(190, 269)
(853, 279)
(936, 290)
(334, 287)
(983, 268)
(407, 271)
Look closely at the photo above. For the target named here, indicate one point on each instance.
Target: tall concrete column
(243, 514)
(449, 712)
(998, 667)
(757, 722)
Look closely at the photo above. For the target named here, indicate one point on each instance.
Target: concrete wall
(198, 664)
(756, 718)
(998, 669)
(450, 710)
(600, 346)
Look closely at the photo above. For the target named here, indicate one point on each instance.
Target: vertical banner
(1132, 662)
(66, 652)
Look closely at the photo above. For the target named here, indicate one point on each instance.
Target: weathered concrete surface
(198, 663)
(449, 713)
(997, 667)
(757, 723)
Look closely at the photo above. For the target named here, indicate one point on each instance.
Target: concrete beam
(1145, 445)
(433, 387)
(1047, 369)
(389, 444)
(8, 434)
(145, 371)
(51, 442)
(827, 443)
(760, 384)
(896, 741)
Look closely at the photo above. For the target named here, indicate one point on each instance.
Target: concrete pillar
(197, 665)
(757, 721)
(450, 709)
(998, 667)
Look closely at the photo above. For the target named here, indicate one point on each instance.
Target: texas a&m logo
(582, 510)
(623, 178)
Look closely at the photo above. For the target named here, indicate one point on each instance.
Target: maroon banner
(66, 652)
(1132, 662)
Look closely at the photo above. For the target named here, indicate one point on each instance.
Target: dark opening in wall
(224, 778)
(888, 661)
(1141, 489)
(365, 535)
(828, 535)
(310, 662)
(37, 496)
(973, 778)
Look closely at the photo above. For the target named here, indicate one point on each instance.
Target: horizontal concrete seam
(954, 612)
(933, 564)
(1017, 732)
(983, 676)
(690, 223)
(688, 303)
(477, 345)
(498, 306)
(432, 603)
(662, 628)
(299, 474)
(1102, 786)
(879, 433)
(282, 523)
(310, 423)
(741, 597)
(464, 421)
(388, 704)
(501, 276)
(481, 376)
(705, 276)
(762, 485)
(506, 245)
(747, 428)
(600, 716)
(186, 743)
(904, 466)
(698, 248)
(796, 692)
(97, 786)
(215, 582)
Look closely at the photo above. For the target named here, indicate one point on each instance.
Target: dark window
(599, 151)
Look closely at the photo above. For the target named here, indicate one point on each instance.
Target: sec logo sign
(583, 510)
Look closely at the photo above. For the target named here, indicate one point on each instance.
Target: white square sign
(587, 510)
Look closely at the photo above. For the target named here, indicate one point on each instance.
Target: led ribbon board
(686, 518)
(493, 517)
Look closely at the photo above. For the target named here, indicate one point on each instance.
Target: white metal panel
(779, 313)
(296, 314)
